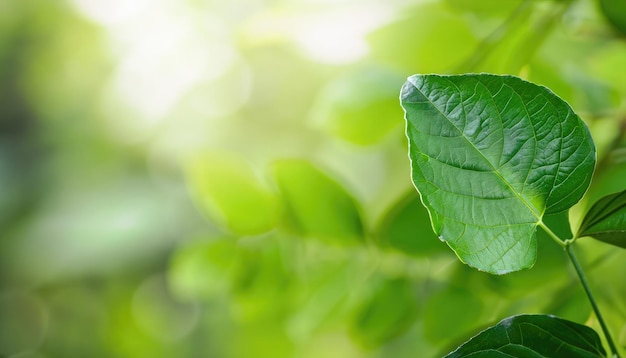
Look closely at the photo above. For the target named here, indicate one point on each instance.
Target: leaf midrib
(495, 171)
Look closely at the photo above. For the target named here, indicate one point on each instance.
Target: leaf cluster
(496, 158)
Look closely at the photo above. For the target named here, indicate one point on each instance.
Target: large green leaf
(606, 220)
(490, 156)
(533, 336)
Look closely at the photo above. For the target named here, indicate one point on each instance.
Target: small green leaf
(490, 156)
(316, 205)
(429, 26)
(533, 336)
(361, 107)
(226, 190)
(606, 220)
(259, 275)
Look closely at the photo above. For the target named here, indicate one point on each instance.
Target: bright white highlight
(333, 37)
(165, 50)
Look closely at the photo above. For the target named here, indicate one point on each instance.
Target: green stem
(554, 236)
(594, 305)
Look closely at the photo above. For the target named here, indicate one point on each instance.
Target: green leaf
(434, 30)
(316, 205)
(259, 275)
(490, 156)
(547, 269)
(323, 298)
(606, 220)
(226, 190)
(361, 107)
(533, 336)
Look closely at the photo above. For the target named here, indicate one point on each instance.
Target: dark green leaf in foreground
(490, 156)
(606, 220)
(533, 336)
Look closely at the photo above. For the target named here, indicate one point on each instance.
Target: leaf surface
(533, 336)
(490, 156)
(606, 220)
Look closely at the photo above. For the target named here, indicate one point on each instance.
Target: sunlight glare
(329, 38)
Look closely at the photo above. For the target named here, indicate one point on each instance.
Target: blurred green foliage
(225, 187)
(230, 179)
(315, 205)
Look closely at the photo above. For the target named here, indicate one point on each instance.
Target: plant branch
(594, 305)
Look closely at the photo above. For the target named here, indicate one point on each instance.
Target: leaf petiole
(555, 237)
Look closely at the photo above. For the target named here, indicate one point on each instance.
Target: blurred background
(206, 178)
